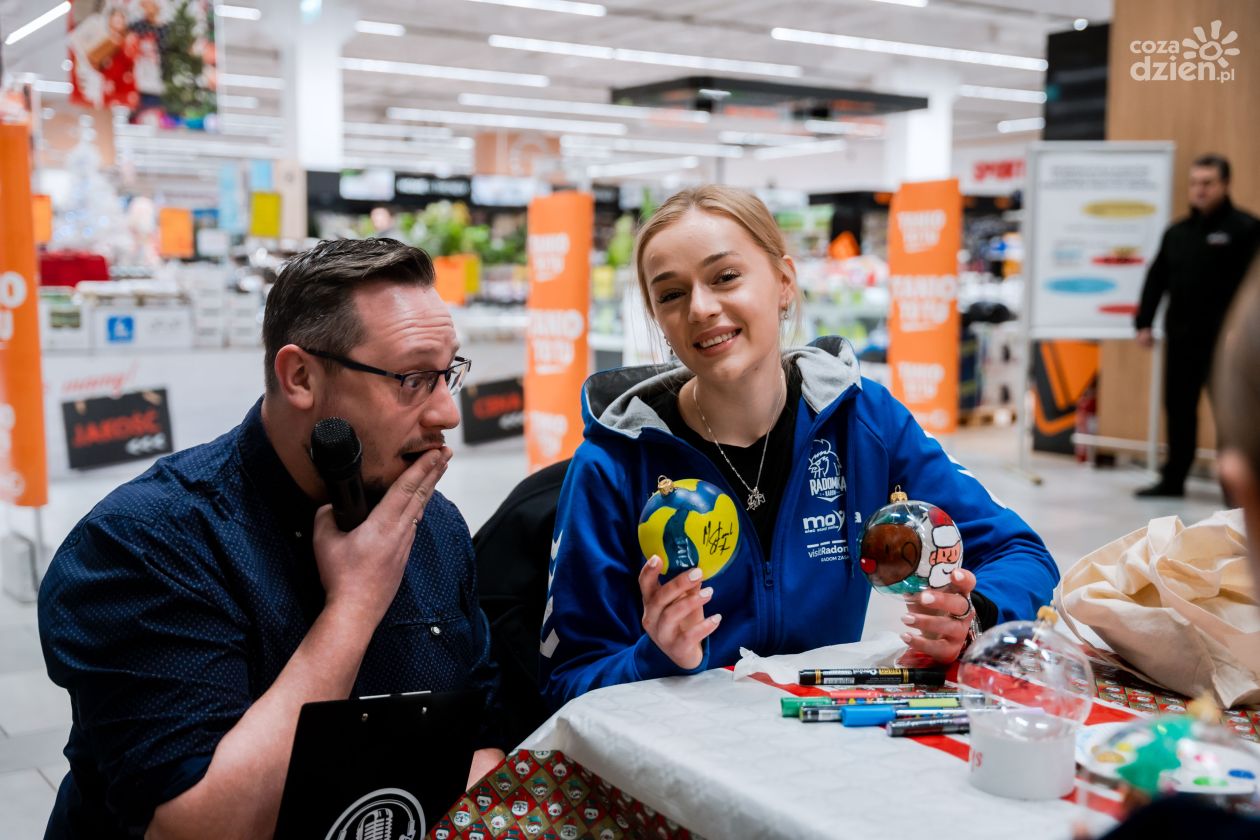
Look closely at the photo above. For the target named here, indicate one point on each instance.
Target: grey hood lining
(618, 399)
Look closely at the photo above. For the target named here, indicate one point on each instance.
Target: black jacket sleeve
(1154, 288)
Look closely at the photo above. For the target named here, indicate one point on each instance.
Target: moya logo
(833, 521)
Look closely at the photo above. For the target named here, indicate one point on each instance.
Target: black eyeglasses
(415, 386)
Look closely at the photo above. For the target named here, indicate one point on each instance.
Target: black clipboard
(384, 767)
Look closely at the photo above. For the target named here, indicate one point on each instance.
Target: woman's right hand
(673, 613)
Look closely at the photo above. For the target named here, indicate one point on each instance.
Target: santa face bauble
(909, 546)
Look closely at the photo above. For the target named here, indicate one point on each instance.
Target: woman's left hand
(940, 618)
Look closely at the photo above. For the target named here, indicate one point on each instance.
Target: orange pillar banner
(924, 235)
(560, 232)
(23, 462)
(42, 205)
(456, 276)
(175, 233)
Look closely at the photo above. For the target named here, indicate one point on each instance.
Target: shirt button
(435, 630)
(297, 534)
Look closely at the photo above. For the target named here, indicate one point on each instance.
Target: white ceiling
(455, 33)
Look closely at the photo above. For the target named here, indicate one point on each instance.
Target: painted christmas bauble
(689, 524)
(909, 546)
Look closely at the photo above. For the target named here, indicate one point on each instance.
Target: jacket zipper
(780, 530)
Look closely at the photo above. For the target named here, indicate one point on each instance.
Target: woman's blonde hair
(740, 206)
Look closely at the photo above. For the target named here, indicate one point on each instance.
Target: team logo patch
(825, 480)
(689, 524)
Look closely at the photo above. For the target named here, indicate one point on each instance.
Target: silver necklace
(755, 497)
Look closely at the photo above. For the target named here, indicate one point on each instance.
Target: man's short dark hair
(311, 306)
(1219, 161)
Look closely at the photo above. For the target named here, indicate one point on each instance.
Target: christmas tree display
(92, 218)
(185, 47)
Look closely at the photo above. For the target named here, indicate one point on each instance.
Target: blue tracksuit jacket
(809, 592)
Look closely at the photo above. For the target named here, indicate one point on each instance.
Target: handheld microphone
(338, 456)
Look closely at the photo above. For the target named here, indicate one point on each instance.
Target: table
(712, 753)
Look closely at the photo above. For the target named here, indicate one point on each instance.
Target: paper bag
(1176, 603)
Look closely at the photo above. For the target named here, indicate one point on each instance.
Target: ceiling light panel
(759, 138)
(1013, 126)
(849, 42)
(819, 148)
(855, 129)
(248, 81)
(664, 147)
(504, 121)
(428, 147)
(433, 71)
(590, 109)
(376, 27)
(227, 100)
(60, 10)
(239, 12)
(387, 130)
(690, 62)
(209, 148)
(1003, 94)
(253, 120)
(641, 167)
(567, 7)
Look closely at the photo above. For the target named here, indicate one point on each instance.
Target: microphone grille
(334, 443)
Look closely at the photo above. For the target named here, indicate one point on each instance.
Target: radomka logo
(1205, 57)
(920, 229)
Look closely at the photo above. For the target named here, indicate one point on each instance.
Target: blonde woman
(805, 447)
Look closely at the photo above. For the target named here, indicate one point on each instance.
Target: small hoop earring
(783, 315)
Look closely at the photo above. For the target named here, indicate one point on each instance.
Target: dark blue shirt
(176, 602)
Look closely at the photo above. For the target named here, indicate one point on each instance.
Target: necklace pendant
(755, 499)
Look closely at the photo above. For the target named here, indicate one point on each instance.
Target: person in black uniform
(1200, 265)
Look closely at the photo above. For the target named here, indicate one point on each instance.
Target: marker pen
(872, 676)
(879, 715)
(939, 726)
(791, 706)
(867, 715)
(876, 695)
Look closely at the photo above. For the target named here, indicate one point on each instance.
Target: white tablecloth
(712, 753)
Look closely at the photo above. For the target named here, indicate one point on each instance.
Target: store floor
(1076, 510)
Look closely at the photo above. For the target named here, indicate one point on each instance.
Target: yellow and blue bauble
(689, 524)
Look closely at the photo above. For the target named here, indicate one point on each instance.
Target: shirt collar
(267, 473)
(1222, 210)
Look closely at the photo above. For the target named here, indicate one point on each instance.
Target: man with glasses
(195, 610)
